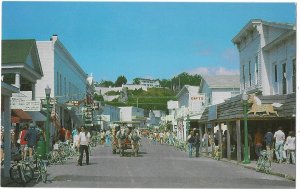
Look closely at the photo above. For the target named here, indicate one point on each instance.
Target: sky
(157, 40)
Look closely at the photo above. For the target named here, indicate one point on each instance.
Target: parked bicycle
(21, 172)
(263, 163)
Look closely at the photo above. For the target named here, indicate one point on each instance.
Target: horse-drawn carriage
(124, 137)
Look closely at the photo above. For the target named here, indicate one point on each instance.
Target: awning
(18, 116)
(37, 116)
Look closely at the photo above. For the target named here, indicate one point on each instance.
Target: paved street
(158, 166)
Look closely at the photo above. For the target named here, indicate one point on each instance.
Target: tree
(104, 83)
(120, 81)
(136, 81)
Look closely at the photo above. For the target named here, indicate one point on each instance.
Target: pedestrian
(197, 143)
(76, 139)
(102, 136)
(31, 138)
(107, 137)
(23, 143)
(190, 141)
(290, 147)
(161, 137)
(279, 138)
(224, 144)
(269, 143)
(258, 138)
(62, 134)
(83, 144)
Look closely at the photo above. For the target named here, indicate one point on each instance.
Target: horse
(121, 137)
(257, 106)
(135, 142)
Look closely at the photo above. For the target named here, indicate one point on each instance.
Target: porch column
(238, 139)
(7, 137)
(206, 145)
(220, 141)
(200, 133)
(33, 91)
(17, 80)
(228, 141)
(212, 137)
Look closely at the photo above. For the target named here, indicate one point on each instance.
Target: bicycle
(21, 172)
(41, 166)
(263, 163)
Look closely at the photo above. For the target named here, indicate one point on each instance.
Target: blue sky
(152, 40)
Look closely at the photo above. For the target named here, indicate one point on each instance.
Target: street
(157, 166)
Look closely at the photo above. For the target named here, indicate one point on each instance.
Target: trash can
(41, 148)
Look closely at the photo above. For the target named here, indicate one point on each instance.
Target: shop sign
(25, 105)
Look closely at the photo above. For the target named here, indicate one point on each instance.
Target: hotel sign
(25, 105)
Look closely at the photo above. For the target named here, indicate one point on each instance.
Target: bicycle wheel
(44, 171)
(259, 164)
(267, 167)
(28, 173)
(15, 175)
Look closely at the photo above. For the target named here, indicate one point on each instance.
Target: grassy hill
(153, 99)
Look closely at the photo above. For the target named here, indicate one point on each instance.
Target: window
(275, 73)
(294, 75)
(250, 73)
(284, 90)
(256, 69)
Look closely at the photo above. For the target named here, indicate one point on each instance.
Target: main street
(157, 166)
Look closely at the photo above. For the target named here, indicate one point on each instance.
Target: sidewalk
(287, 171)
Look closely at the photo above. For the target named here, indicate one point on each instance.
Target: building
(21, 68)
(133, 114)
(267, 65)
(267, 53)
(218, 88)
(109, 115)
(149, 82)
(67, 80)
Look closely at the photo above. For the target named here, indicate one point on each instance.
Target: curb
(286, 176)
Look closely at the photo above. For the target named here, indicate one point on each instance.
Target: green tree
(98, 97)
(136, 81)
(120, 81)
(105, 83)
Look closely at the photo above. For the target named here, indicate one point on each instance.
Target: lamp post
(245, 106)
(48, 92)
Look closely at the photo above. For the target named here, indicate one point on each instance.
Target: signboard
(197, 102)
(25, 105)
(212, 112)
(172, 104)
(52, 101)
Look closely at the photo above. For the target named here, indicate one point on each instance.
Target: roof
(222, 81)
(250, 27)
(20, 49)
(189, 88)
(279, 40)
(17, 52)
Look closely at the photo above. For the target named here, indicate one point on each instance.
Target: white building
(64, 76)
(149, 82)
(217, 88)
(267, 57)
(129, 114)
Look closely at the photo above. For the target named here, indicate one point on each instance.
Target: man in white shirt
(83, 143)
(279, 138)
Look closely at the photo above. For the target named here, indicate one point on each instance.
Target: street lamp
(245, 106)
(48, 92)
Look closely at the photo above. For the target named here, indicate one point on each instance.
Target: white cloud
(214, 71)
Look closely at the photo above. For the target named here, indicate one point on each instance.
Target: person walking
(198, 144)
(258, 138)
(23, 143)
(290, 147)
(31, 138)
(190, 141)
(269, 143)
(279, 138)
(83, 144)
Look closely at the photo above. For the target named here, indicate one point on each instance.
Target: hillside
(153, 99)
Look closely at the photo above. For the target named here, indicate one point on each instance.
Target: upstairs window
(244, 76)
(294, 75)
(275, 73)
(250, 73)
(284, 89)
(256, 69)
